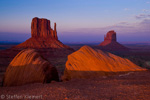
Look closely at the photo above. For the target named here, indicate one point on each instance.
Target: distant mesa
(42, 36)
(87, 63)
(28, 66)
(110, 37)
(110, 42)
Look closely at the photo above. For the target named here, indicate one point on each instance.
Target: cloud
(145, 10)
(131, 28)
(145, 24)
(14, 37)
(126, 9)
(123, 23)
(148, 2)
(138, 31)
(142, 16)
(122, 28)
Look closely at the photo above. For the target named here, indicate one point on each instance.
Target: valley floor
(131, 86)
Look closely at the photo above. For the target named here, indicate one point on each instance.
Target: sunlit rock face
(87, 62)
(110, 42)
(28, 66)
(42, 36)
(41, 28)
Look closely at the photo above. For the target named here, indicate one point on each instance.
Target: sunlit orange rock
(42, 36)
(110, 42)
(28, 66)
(87, 62)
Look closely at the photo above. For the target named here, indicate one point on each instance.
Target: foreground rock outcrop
(110, 42)
(87, 62)
(42, 36)
(29, 67)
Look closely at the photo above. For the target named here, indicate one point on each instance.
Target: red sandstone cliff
(42, 35)
(41, 28)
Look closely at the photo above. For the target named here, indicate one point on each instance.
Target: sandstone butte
(110, 42)
(42, 36)
(28, 66)
(87, 62)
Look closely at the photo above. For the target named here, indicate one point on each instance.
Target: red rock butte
(41, 28)
(110, 42)
(42, 36)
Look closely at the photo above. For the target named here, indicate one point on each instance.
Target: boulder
(87, 62)
(28, 66)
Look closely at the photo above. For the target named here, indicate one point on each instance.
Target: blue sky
(77, 20)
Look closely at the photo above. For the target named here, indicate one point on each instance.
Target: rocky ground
(131, 86)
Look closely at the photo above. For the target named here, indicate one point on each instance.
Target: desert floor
(130, 86)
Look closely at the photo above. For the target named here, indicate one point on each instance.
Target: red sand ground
(132, 86)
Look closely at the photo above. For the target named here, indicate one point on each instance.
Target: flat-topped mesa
(41, 28)
(111, 36)
(110, 42)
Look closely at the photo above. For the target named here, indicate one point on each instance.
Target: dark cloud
(142, 16)
(146, 21)
(13, 37)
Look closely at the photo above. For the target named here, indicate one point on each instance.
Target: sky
(77, 20)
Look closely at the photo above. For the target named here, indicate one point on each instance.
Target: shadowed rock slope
(29, 67)
(87, 62)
